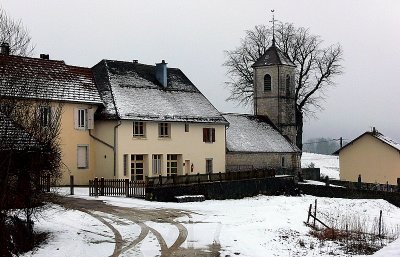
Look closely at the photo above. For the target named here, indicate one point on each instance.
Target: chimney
(135, 61)
(161, 73)
(374, 131)
(44, 56)
(5, 48)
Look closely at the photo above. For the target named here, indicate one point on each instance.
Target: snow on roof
(387, 140)
(273, 56)
(14, 137)
(46, 79)
(131, 91)
(249, 133)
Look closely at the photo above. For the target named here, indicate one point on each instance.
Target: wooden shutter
(82, 154)
(205, 133)
(213, 134)
(90, 118)
(76, 116)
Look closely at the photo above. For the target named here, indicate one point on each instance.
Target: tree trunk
(299, 124)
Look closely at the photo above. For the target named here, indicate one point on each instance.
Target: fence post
(398, 184)
(359, 181)
(380, 223)
(96, 186)
(160, 179)
(127, 187)
(187, 179)
(102, 186)
(71, 184)
(48, 183)
(326, 181)
(198, 178)
(315, 211)
(220, 177)
(309, 214)
(387, 186)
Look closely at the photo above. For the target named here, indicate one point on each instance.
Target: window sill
(164, 138)
(139, 137)
(83, 168)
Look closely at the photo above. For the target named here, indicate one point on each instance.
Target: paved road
(101, 211)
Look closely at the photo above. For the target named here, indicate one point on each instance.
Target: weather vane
(273, 27)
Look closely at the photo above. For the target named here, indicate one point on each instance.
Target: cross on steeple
(273, 27)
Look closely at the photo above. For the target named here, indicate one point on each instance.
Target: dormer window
(267, 82)
(287, 85)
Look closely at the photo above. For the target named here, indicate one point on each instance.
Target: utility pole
(341, 142)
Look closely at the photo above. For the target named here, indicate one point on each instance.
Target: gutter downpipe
(115, 146)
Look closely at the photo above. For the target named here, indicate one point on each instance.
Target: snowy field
(258, 226)
(329, 164)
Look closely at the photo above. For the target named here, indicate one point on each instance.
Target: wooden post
(48, 183)
(198, 178)
(127, 187)
(309, 214)
(315, 211)
(220, 177)
(160, 179)
(102, 186)
(186, 179)
(96, 186)
(380, 223)
(71, 184)
(398, 184)
(359, 180)
(387, 186)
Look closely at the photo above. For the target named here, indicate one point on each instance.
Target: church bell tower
(274, 90)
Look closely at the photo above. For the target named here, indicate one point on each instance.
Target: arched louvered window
(287, 85)
(267, 82)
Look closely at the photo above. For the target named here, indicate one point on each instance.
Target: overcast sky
(192, 36)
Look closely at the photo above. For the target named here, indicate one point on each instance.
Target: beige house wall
(188, 145)
(373, 159)
(70, 138)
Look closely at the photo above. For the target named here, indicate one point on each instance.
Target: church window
(267, 82)
(287, 85)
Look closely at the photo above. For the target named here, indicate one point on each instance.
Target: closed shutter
(90, 118)
(76, 116)
(82, 157)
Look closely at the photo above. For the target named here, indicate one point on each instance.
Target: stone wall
(264, 160)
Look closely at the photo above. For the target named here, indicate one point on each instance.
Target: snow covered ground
(257, 226)
(329, 164)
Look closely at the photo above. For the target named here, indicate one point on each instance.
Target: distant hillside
(329, 164)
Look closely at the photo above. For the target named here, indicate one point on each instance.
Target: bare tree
(16, 35)
(317, 66)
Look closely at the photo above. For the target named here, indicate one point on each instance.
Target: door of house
(187, 166)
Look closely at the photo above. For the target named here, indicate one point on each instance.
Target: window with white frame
(44, 115)
(139, 129)
(137, 167)
(83, 157)
(164, 129)
(172, 164)
(81, 118)
(156, 163)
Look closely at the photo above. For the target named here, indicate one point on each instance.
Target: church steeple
(274, 88)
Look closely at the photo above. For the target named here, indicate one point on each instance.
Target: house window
(125, 164)
(209, 135)
(287, 85)
(138, 129)
(156, 163)
(172, 164)
(82, 157)
(186, 127)
(267, 82)
(209, 166)
(163, 130)
(137, 167)
(81, 118)
(44, 115)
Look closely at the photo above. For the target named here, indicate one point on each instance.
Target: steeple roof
(273, 56)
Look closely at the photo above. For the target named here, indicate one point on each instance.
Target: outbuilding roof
(273, 56)
(14, 137)
(388, 141)
(131, 91)
(38, 78)
(255, 134)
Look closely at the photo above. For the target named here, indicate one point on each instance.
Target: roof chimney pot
(135, 61)
(44, 56)
(161, 73)
(5, 48)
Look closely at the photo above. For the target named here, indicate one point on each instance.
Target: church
(267, 138)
